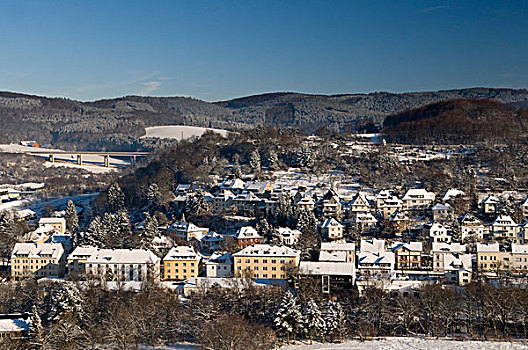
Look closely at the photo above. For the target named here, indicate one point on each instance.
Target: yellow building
(491, 258)
(181, 263)
(264, 261)
(59, 224)
(37, 260)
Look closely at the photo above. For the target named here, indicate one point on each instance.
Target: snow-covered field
(411, 343)
(179, 132)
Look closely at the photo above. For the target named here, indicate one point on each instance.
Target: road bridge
(52, 154)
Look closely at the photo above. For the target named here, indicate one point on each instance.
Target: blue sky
(215, 50)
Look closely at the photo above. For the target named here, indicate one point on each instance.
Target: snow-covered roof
(421, 193)
(331, 223)
(487, 247)
(490, 200)
(212, 237)
(326, 268)
(446, 247)
(451, 193)
(43, 221)
(247, 232)
(338, 246)
(336, 256)
(122, 256)
(376, 258)
(440, 206)
(9, 325)
(504, 220)
(288, 232)
(32, 250)
(186, 227)
(82, 252)
(411, 246)
(267, 250)
(182, 253)
(454, 262)
(220, 258)
(372, 245)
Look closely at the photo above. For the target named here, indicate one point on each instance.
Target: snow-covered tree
(197, 205)
(153, 196)
(150, 231)
(63, 298)
(95, 235)
(36, 331)
(306, 221)
(237, 170)
(72, 222)
(330, 320)
(124, 230)
(8, 233)
(116, 198)
(314, 323)
(254, 162)
(289, 318)
(272, 160)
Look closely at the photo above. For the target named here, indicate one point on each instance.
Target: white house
(332, 229)
(418, 199)
(439, 233)
(123, 265)
(219, 265)
(504, 228)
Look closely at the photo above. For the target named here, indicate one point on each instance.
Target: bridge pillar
(107, 160)
(133, 160)
(79, 159)
(52, 158)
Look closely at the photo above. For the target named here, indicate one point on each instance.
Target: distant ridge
(119, 122)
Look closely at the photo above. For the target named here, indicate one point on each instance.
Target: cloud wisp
(149, 87)
(434, 8)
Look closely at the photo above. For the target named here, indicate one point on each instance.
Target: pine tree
(306, 221)
(289, 318)
(124, 230)
(63, 298)
(237, 170)
(254, 162)
(95, 235)
(150, 231)
(36, 331)
(273, 160)
(9, 232)
(330, 320)
(341, 320)
(313, 320)
(197, 204)
(72, 223)
(153, 197)
(115, 198)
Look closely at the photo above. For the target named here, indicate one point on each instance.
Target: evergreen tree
(63, 298)
(36, 331)
(150, 231)
(9, 232)
(289, 318)
(306, 221)
(153, 197)
(115, 198)
(95, 235)
(341, 320)
(124, 235)
(272, 160)
(72, 223)
(330, 317)
(313, 320)
(254, 162)
(237, 170)
(197, 204)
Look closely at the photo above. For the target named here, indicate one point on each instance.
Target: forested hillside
(117, 124)
(465, 121)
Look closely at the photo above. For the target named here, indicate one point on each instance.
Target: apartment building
(181, 263)
(37, 260)
(264, 261)
(123, 265)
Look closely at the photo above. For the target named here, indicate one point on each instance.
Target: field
(404, 343)
(179, 132)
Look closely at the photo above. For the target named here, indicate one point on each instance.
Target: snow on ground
(179, 346)
(404, 343)
(91, 168)
(179, 132)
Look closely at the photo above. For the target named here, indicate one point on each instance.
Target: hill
(119, 123)
(463, 121)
